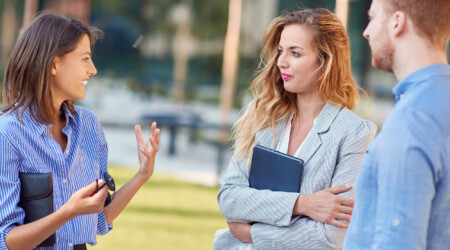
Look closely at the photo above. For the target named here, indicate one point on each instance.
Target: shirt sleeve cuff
(261, 237)
(4, 231)
(102, 226)
(287, 218)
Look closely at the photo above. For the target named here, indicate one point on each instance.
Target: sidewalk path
(195, 162)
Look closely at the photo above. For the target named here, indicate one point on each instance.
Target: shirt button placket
(396, 222)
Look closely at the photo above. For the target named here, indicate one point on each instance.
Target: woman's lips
(285, 76)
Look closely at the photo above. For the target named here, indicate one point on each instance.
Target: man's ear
(55, 65)
(398, 24)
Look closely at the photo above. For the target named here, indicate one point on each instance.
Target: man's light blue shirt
(403, 189)
(28, 147)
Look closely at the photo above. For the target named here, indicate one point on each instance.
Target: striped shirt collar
(40, 128)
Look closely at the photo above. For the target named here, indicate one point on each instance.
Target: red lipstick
(285, 76)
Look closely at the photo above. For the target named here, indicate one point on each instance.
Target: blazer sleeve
(240, 203)
(306, 233)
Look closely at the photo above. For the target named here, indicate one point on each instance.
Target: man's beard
(383, 57)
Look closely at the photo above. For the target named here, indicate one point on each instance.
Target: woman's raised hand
(147, 150)
(326, 206)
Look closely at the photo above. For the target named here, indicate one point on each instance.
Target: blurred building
(144, 38)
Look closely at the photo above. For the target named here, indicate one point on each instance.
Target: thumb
(93, 187)
(340, 189)
(100, 193)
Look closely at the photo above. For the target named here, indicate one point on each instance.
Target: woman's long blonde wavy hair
(272, 102)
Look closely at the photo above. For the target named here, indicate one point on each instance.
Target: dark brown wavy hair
(28, 73)
(271, 101)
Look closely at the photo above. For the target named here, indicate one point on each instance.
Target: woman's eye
(86, 59)
(295, 54)
(279, 51)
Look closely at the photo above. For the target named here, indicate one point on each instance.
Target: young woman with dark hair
(42, 131)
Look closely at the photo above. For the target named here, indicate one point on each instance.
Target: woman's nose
(281, 63)
(92, 70)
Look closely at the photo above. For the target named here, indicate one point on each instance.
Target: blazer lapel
(322, 124)
(310, 146)
(312, 141)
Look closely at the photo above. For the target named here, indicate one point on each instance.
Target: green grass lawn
(165, 214)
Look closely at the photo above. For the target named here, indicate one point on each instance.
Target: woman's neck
(59, 115)
(308, 107)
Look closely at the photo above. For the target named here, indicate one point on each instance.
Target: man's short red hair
(430, 17)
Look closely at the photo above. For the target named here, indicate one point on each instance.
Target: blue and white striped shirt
(29, 148)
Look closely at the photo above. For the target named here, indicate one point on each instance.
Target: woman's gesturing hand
(326, 206)
(147, 150)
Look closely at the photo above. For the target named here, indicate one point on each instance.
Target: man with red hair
(403, 188)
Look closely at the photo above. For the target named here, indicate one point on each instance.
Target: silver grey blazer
(332, 153)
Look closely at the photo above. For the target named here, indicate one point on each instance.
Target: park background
(186, 64)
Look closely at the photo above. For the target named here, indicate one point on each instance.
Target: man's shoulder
(408, 127)
(430, 100)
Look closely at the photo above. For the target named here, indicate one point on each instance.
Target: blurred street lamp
(29, 13)
(230, 65)
(8, 30)
(79, 9)
(181, 17)
(342, 11)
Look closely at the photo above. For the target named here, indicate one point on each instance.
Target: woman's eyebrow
(86, 53)
(296, 47)
(292, 47)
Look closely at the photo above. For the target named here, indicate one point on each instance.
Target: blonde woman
(303, 96)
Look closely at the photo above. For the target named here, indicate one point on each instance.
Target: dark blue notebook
(275, 171)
